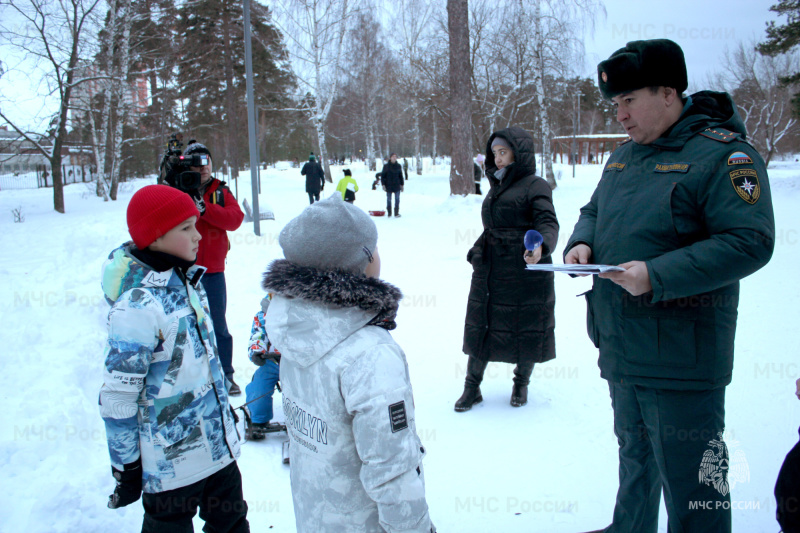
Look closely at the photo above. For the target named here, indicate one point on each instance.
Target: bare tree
(764, 102)
(513, 69)
(413, 20)
(461, 180)
(53, 34)
(315, 30)
(557, 32)
(368, 61)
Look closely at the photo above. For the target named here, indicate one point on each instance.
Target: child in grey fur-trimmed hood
(356, 459)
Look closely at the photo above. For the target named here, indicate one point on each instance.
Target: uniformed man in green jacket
(685, 209)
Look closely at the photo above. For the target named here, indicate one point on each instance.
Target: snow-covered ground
(550, 466)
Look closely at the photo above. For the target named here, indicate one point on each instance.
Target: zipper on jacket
(213, 382)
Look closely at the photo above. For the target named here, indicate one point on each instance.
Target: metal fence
(43, 177)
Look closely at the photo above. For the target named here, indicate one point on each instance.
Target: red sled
(377, 213)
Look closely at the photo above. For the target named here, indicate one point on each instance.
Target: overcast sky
(703, 28)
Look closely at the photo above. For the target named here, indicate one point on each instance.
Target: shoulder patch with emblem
(673, 167)
(397, 416)
(745, 183)
(614, 166)
(719, 134)
(739, 158)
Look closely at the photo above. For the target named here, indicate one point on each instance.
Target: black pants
(217, 293)
(663, 439)
(312, 196)
(476, 368)
(219, 497)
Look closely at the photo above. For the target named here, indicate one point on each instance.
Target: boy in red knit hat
(171, 432)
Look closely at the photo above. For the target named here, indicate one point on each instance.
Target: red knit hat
(156, 209)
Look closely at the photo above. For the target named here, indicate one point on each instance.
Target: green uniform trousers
(664, 437)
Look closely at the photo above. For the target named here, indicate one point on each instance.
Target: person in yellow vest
(348, 187)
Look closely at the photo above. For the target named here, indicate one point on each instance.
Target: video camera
(175, 168)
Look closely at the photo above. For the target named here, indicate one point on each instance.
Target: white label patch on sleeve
(397, 416)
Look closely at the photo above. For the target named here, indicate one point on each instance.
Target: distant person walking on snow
(405, 168)
(478, 175)
(315, 178)
(392, 179)
(510, 310)
(347, 186)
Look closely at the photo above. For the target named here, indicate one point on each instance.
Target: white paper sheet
(576, 269)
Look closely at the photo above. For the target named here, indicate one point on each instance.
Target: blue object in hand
(533, 239)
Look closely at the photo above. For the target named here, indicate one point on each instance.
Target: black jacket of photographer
(510, 309)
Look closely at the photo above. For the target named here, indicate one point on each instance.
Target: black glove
(259, 358)
(235, 416)
(129, 485)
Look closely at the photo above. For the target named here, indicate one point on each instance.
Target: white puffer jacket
(356, 459)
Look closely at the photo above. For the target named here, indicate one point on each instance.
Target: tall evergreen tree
(783, 38)
(153, 44)
(211, 73)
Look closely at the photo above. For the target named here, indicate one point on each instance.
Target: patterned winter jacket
(259, 342)
(356, 459)
(163, 395)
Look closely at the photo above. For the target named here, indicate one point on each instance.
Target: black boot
(388, 211)
(234, 390)
(519, 395)
(471, 396)
(255, 431)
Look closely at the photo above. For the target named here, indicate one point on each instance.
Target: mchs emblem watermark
(723, 466)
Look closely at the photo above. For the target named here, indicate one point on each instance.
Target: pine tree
(211, 73)
(782, 39)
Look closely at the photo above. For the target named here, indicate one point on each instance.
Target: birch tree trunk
(121, 83)
(370, 155)
(100, 134)
(417, 141)
(538, 81)
(435, 133)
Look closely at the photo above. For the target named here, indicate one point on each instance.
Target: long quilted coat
(510, 309)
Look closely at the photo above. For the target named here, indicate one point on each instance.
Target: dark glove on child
(129, 485)
(259, 358)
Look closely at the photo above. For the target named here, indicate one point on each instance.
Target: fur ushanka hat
(652, 63)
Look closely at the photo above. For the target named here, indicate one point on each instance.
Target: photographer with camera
(219, 214)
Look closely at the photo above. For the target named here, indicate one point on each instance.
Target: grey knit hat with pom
(330, 234)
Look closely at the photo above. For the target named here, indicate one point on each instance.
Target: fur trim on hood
(335, 287)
